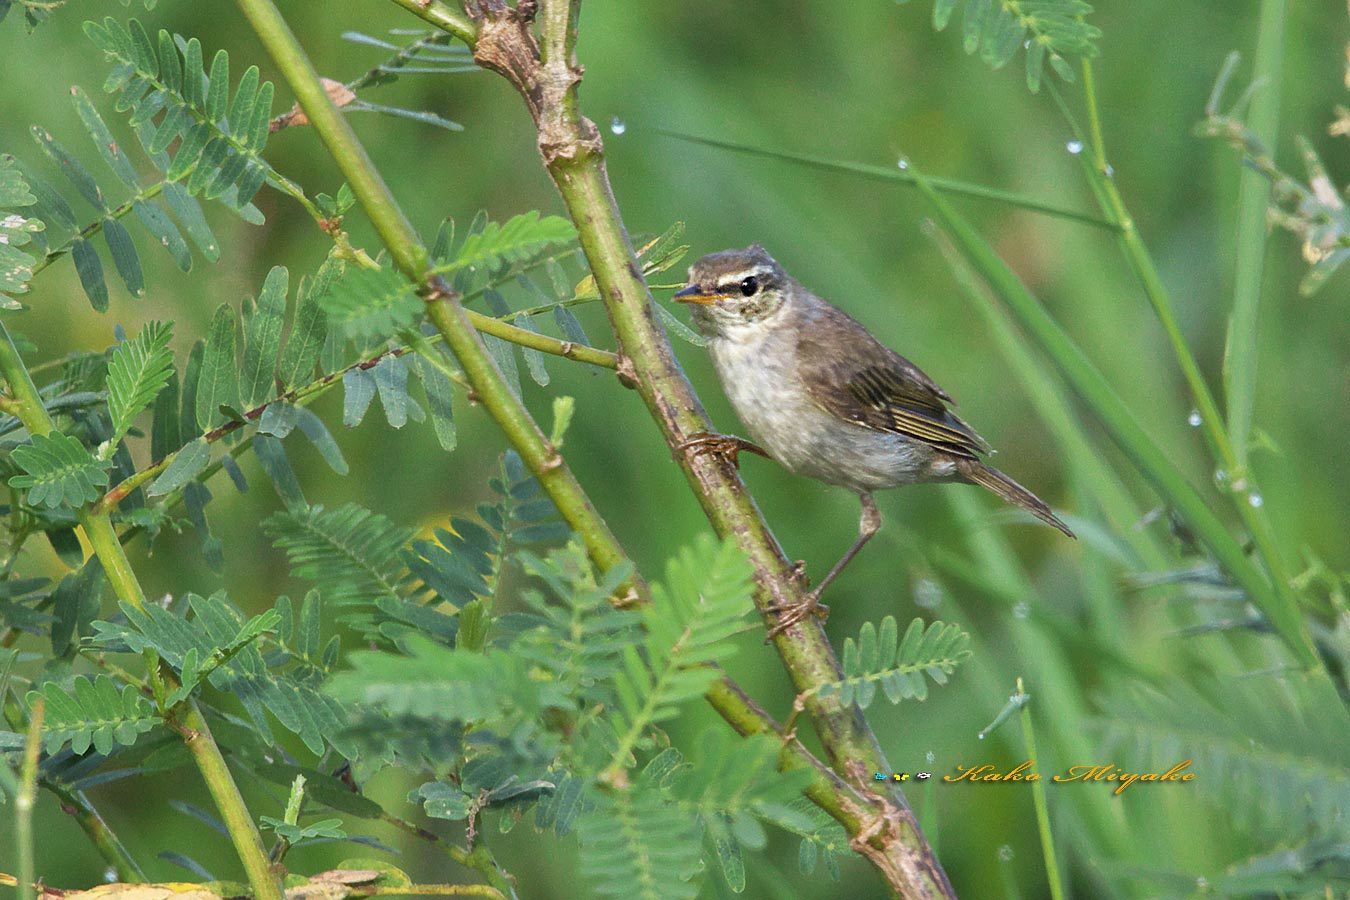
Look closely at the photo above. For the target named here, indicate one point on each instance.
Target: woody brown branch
(546, 75)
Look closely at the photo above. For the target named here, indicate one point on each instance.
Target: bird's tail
(993, 480)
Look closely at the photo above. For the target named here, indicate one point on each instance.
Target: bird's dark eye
(749, 286)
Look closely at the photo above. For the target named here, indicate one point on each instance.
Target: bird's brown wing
(873, 386)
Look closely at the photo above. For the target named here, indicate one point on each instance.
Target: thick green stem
(102, 537)
(1253, 202)
(191, 725)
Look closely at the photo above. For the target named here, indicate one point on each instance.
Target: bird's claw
(727, 446)
(789, 614)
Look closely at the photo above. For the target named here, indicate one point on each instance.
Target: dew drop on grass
(1221, 477)
(1194, 419)
(1074, 147)
(617, 125)
(1005, 853)
(1255, 500)
(902, 164)
(1109, 171)
(1021, 610)
(110, 875)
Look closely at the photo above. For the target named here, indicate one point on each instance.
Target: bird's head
(734, 289)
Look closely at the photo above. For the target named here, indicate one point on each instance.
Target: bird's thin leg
(727, 446)
(868, 525)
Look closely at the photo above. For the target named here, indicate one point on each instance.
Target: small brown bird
(828, 400)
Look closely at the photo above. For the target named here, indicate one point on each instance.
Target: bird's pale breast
(759, 373)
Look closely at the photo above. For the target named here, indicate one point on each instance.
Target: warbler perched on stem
(828, 400)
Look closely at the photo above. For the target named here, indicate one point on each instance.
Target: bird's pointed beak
(693, 294)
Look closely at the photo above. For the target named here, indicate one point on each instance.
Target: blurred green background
(863, 81)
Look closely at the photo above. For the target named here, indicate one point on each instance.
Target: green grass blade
(896, 175)
(1253, 201)
(1054, 407)
(1120, 423)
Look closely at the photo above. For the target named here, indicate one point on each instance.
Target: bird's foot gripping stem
(727, 446)
(790, 614)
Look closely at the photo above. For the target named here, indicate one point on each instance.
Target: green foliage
(1050, 30)
(649, 837)
(880, 656)
(144, 201)
(139, 369)
(217, 645)
(703, 602)
(220, 141)
(1274, 766)
(97, 713)
(16, 230)
(35, 12)
(426, 53)
(639, 845)
(350, 553)
(59, 471)
(361, 560)
(297, 834)
(434, 682)
(375, 303)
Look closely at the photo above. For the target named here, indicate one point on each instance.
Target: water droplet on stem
(617, 125)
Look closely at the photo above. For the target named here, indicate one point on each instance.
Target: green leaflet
(218, 384)
(880, 657)
(75, 604)
(350, 552)
(59, 471)
(219, 142)
(309, 327)
(640, 845)
(192, 458)
(262, 340)
(219, 645)
(138, 371)
(433, 681)
(1049, 30)
(97, 713)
